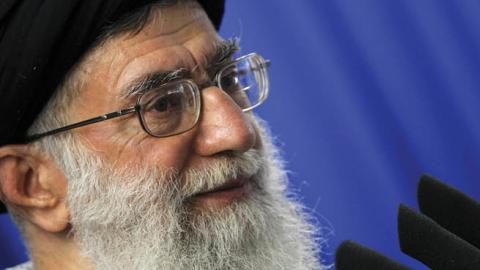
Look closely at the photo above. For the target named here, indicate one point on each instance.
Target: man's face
(142, 202)
(180, 36)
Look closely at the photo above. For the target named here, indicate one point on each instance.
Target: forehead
(178, 36)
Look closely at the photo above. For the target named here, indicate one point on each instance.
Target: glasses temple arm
(97, 119)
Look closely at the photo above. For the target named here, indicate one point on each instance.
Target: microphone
(450, 208)
(430, 243)
(351, 255)
(445, 235)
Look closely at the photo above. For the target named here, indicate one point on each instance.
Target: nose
(223, 126)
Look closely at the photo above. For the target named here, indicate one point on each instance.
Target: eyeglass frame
(137, 108)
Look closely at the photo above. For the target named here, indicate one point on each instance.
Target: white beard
(144, 220)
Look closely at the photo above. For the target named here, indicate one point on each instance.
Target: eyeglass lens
(175, 107)
(244, 81)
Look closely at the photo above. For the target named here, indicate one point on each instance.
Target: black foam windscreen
(450, 208)
(430, 243)
(352, 256)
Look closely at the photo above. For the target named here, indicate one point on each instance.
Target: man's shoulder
(23, 266)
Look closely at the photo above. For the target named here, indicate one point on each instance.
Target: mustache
(222, 170)
(143, 189)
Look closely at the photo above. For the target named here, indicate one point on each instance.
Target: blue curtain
(366, 96)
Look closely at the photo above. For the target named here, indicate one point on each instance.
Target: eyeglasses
(174, 108)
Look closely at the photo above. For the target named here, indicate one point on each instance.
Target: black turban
(40, 41)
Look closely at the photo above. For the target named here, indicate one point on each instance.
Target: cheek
(172, 152)
(258, 128)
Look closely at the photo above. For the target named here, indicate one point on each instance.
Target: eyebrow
(224, 51)
(155, 79)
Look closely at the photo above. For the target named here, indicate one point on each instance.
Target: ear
(32, 185)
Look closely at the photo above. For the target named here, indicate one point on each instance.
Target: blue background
(365, 97)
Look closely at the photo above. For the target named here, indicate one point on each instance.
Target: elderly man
(130, 141)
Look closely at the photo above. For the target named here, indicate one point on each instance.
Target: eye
(161, 105)
(230, 81)
(169, 102)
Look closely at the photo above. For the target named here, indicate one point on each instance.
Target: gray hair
(57, 112)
